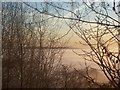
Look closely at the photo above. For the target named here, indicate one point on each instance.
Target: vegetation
(27, 25)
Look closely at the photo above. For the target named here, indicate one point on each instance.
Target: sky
(56, 0)
(65, 28)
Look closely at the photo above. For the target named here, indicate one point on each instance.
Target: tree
(30, 50)
(12, 45)
(100, 25)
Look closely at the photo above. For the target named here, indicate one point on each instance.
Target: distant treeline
(50, 47)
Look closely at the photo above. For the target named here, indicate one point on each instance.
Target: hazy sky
(65, 28)
(59, 0)
(81, 8)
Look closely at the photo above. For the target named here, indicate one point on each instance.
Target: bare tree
(12, 36)
(31, 50)
(99, 26)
